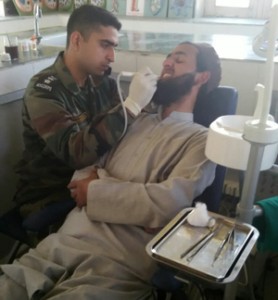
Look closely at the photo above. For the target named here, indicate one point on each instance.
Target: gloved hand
(141, 90)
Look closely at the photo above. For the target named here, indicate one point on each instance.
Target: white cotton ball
(211, 222)
(199, 216)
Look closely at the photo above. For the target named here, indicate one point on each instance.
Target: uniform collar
(66, 77)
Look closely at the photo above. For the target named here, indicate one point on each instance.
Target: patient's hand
(79, 188)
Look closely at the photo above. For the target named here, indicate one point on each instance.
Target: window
(257, 9)
(235, 3)
(2, 11)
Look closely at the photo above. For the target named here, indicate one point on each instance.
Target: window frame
(258, 9)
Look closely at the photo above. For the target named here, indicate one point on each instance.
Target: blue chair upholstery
(39, 224)
(221, 101)
(51, 214)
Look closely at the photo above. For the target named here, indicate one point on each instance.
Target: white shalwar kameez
(99, 253)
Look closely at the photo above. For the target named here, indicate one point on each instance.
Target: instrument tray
(173, 240)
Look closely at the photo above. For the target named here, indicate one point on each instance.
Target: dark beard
(173, 89)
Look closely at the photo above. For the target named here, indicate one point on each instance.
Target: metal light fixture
(250, 143)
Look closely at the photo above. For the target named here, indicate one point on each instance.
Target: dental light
(250, 143)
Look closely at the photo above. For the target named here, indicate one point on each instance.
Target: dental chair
(221, 101)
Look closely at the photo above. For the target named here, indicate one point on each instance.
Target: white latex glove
(141, 90)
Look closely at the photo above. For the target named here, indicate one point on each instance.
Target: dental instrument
(229, 239)
(196, 244)
(200, 243)
(125, 74)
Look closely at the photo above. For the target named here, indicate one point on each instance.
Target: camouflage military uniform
(65, 128)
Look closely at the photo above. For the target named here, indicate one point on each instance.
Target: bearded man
(156, 170)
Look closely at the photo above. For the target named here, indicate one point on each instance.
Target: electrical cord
(199, 289)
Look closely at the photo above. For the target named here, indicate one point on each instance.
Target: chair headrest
(219, 102)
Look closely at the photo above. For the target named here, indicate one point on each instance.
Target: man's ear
(202, 78)
(75, 40)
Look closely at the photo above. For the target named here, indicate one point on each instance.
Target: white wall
(17, 24)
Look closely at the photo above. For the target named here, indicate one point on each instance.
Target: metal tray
(167, 247)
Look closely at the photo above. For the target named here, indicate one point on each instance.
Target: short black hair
(89, 17)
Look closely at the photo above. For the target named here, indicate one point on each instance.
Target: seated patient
(156, 170)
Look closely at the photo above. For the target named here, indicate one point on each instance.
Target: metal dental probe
(200, 244)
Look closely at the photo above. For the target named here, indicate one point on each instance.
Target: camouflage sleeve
(69, 131)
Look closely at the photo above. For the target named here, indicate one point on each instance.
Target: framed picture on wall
(24, 7)
(135, 7)
(100, 3)
(49, 5)
(117, 7)
(78, 3)
(156, 8)
(65, 5)
(181, 9)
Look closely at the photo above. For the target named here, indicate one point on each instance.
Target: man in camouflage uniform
(72, 114)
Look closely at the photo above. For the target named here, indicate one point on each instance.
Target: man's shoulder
(46, 80)
(199, 133)
(199, 129)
